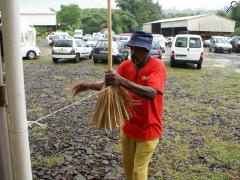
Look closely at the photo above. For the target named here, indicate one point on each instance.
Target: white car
(30, 52)
(161, 40)
(187, 48)
(70, 49)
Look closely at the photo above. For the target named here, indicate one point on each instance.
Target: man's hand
(113, 79)
(80, 87)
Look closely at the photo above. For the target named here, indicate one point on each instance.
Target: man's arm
(84, 86)
(114, 79)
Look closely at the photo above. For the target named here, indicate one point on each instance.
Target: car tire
(55, 60)
(95, 60)
(199, 65)
(31, 55)
(77, 58)
(172, 64)
(210, 50)
(90, 57)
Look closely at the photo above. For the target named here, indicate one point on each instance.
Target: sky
(44, 5)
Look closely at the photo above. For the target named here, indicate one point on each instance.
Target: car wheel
(210, 49)
(220, 50)
(90, 57)
(31, 55)
(95, 60)
(55, 60)
(199, 65)
(172, 64)
(77, 58)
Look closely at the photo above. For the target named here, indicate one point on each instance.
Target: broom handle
(109, 36)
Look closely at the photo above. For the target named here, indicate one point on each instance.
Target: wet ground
(200, 122)
(231, 61)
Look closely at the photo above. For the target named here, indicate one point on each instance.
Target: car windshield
(102, 44)
(155, 46)
(221, 40)
(64, 43)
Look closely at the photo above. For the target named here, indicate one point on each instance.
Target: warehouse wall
(211, 23)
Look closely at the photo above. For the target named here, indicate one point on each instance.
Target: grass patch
(38, 133)
(43, 161)
(201, 121)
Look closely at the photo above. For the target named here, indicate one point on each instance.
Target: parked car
(70, 49)
(52, 38)
(92, 41)
(235, 42)
(219, 44)
(78, 34)
(187, 48)
(156, 50)
(100, 52)
(30, 52)
(161, 40)
(206, 43)
(124, 39)
(86, 37)
(169, 41)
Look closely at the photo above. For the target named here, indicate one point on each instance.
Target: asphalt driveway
(227, 60)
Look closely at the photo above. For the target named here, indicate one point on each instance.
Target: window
(78, 43)
(181, 42)
(102, 44)
(64, 43)
(195, 43)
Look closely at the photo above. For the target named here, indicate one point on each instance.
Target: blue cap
(141, 39)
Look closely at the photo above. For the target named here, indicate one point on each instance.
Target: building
(205, 25)
(39, 19)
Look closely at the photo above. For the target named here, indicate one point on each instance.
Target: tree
(123, 21)
(237, 31)
(235, 14)
(94, 20)
(223, 13)
(70, 17)
(143, 10)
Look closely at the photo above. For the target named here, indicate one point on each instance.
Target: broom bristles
(113, 107)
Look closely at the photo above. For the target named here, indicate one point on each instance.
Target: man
(144, 77)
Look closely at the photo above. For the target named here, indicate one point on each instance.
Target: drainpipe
(5, 156)
(17, 119)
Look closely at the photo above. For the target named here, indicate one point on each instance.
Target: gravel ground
(71, 148)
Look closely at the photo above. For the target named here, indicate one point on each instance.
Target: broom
(113, 104)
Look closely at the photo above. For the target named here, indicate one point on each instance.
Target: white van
(187, 48)
(29, 48)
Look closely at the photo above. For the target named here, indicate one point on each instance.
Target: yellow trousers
(136, 156)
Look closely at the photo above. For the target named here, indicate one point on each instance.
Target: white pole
(15, 88)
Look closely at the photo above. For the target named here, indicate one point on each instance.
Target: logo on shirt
(144, 78)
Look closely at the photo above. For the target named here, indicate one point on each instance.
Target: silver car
(220, 44)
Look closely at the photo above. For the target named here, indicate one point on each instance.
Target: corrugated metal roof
(178, 19)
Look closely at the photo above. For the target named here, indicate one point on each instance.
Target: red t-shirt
(146, 121)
